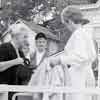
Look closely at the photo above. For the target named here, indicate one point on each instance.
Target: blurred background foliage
(43, 12)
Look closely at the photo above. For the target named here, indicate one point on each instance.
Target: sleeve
(7, 52)
(3, 52)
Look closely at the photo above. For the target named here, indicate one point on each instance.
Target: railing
(28, 90)
(61, 90)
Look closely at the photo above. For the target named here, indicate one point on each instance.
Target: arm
(8, 57)
(4, 65)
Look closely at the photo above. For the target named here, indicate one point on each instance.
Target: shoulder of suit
(6, 45)
(85, 29)
(88, 27)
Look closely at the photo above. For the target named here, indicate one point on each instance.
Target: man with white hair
(10, 59)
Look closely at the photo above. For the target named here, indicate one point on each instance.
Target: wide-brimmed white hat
(74, 14)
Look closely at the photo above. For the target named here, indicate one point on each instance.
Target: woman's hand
(54, 62)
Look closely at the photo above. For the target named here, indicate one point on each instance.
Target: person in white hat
(79, 51)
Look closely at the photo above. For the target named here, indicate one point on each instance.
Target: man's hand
(19, 61)
(7, 64)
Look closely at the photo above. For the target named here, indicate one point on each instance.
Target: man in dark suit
(11, 59)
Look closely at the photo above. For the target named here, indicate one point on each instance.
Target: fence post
(4, 96)
(99, 71)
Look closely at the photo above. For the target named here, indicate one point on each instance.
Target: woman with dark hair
(38, 63)
(45, 72)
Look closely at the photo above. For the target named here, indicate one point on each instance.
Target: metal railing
(28, 90)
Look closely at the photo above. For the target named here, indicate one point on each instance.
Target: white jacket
(80, 53)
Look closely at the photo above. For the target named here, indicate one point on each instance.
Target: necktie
(26, 60)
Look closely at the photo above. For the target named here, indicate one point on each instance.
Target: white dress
(80, 53)
(58, 77)
(47, 76)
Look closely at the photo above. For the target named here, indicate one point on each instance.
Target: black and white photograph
(49, 49)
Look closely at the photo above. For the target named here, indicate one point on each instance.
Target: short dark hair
(40, 35)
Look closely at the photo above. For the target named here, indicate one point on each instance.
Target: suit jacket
(15, 75)
(7, 52)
